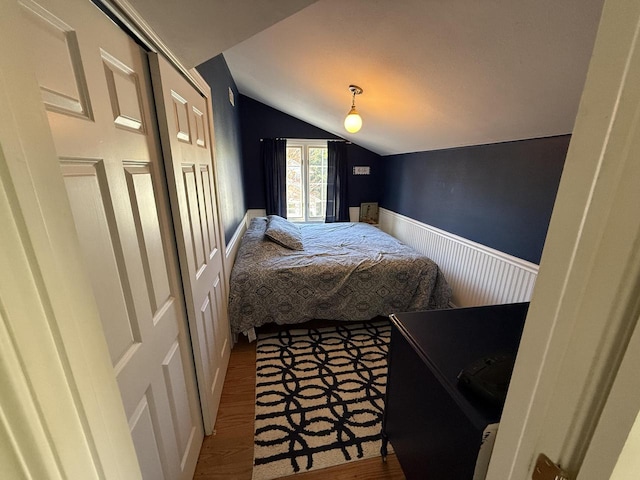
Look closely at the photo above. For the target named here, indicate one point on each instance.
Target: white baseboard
(478, 275)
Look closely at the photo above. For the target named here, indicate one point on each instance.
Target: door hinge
(545, 469)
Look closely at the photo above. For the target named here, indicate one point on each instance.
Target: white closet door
(95, 83)
(184, 129)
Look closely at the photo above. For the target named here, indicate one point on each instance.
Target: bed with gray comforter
(345, 271)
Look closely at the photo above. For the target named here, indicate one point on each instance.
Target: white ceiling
(435, 73)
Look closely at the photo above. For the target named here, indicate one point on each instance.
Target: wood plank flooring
(228, 454)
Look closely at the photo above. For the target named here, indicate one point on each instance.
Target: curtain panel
(337, 172)
(274, 157)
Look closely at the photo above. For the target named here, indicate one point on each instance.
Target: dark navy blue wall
(228, 147)
(499, 195)
(261, 121)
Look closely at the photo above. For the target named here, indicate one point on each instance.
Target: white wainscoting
(231, 249)
(255, 212)
(478, 275)
(234, 243)
(354, 214)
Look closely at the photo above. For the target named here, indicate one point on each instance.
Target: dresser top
(450, 340)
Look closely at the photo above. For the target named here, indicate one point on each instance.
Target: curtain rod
(348, 142)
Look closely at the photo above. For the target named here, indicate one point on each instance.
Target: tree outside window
(306, 180)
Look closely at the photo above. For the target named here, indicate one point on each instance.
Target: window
(306, 180)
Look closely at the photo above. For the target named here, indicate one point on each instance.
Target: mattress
(346, 271)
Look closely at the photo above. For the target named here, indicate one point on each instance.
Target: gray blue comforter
(347, 271)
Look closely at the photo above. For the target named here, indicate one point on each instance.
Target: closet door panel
(186, 142)
(95, 83)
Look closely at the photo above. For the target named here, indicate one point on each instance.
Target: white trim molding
(231, 249)
(354, 214)
(255, 212)
(478, 275)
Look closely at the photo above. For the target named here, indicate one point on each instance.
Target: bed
(291, 273)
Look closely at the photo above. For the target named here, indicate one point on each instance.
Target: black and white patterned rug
(319, 397)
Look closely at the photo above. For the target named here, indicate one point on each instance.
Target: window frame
(305, 145)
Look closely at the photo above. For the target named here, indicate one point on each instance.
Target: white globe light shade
(353, 122)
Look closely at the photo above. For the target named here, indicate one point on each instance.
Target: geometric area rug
(319, 397)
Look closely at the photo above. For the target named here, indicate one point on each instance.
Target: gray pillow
(283, 232)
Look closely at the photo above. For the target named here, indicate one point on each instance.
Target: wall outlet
(361, 170)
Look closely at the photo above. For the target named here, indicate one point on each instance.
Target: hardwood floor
(228, 454)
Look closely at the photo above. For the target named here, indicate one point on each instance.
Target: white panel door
(184, 129)
(95, 83)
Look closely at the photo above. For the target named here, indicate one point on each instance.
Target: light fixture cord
(353, 99)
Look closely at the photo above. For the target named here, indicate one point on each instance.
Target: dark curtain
(274, 157)
(337, 208)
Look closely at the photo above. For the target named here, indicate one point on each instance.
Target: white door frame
(585, 305)
(615, 446)
(57, 347)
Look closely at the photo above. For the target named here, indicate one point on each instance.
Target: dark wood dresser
(435, 427)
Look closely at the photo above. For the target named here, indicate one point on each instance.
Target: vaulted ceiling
(435, 73)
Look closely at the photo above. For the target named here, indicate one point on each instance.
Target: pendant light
(353, 122)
